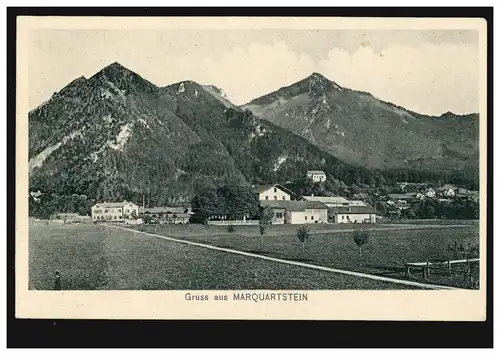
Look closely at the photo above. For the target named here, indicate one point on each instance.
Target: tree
(232, 201)
(361, 238)
(303, 235)
(380, 208)
(266, 218)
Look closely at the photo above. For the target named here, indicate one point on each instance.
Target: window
(275, 197)
(267, 197)
(274, 189)
(306, 218)
(283, 198)
(106, 211)
(312, 218)
(279, 215)
(342, 217)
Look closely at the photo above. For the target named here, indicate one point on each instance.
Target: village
(288, 208)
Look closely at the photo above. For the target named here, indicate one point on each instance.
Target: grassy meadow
(388, 249)
(95, 257)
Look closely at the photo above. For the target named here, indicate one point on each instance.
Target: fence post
(428, 267)
(407, 271)
(424, 275)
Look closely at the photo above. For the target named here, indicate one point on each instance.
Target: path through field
(91, 257)
(290, 262)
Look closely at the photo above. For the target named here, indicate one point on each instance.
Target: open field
(472, 222)
(198, 230)
(94, 257)
(385, 254)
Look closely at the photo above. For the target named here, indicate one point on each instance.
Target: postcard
(308, 168)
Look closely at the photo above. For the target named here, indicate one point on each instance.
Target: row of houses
(447, 190)
(312, 209)
(285, 209)
(121, 211)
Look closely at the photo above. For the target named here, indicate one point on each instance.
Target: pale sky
(429, 72)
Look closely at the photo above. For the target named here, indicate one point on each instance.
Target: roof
(352, 210)
(316, 172)
(326, 199)
(112, 204)
(261, 188)
(162, 209)
(293, 205)
(357, 203)
(402, 196)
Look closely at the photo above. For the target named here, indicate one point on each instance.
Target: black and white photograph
(270, 162)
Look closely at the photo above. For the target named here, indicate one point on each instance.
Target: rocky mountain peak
(123, 79)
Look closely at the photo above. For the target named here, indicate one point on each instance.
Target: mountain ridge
(337, 119)
(116, 135)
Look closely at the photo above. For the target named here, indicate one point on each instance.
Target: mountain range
(117, 136)
(363, 130)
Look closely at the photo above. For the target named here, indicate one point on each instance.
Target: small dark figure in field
(361, 237)
(303, 235)
(57, 283)
(230, 228)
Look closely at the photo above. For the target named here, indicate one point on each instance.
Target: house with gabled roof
(316, 175)
(114, 211)
(272, 192)
(352, 214)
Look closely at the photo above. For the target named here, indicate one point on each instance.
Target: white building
(335, 201)
(449, 193)
(297, 212)
(316, 175)
(430, 192)
(355, 214)
(272, 192)
(113, 211)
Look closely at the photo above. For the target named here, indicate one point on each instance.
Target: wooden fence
(248, 222)
(427, 266)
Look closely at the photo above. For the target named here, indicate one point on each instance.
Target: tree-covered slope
(363, 130)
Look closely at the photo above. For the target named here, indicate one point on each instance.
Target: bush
(230, 228)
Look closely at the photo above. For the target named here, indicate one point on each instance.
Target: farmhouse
(297, 212)
(114, 211)
(335, 201)
(316, 175)
(272, 192)
(354, 214)
(172, 215)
